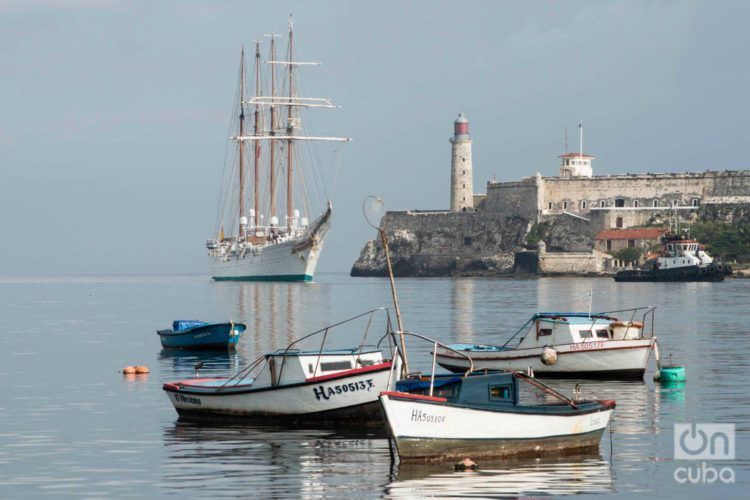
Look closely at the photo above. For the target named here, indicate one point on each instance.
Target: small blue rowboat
(194, 334)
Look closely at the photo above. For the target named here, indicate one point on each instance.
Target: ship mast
(241, 144)
(290, 130)
(288, 135)
(256, 194)
(272, 149)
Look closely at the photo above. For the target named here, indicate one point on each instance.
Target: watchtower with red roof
(576, 165)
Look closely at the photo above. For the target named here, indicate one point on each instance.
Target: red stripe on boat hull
(355, 371)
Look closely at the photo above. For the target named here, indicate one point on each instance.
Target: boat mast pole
(256, 194)
(272, 149)
(290, 131)
(241, 143)
(384, 240)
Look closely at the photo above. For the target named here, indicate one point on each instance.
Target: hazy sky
(114, 115)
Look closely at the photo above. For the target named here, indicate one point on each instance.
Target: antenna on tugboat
(379, 201)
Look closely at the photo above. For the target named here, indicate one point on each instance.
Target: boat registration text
(420, 416)
(585, 346)
(335, 390)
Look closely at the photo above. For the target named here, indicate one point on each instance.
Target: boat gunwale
(625, 374)
(603, 405)
(234, 390)
(172, 333)
(503, 358)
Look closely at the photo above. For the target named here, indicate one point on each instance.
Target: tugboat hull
(712, 272)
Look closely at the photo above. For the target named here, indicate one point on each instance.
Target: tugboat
(681, 259)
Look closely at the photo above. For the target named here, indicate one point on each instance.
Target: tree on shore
(727, 241)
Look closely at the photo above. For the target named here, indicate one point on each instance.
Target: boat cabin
(494, 390)
(477, 389)
(292, 366)
(550, 329)
(679, 252)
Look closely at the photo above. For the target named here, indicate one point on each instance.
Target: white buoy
(549, 356)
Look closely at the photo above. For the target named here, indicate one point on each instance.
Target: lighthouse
(462, 189)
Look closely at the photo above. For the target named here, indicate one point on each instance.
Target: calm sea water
(73, 426)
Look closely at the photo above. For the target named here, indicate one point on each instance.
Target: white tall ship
(257, 246)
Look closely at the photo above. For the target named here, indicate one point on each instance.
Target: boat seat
(186, 324)
(478, 347)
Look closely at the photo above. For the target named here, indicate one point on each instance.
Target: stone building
(619, 201)
(482, 233)
(612, 240)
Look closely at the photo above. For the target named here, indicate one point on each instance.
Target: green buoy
(669, 373)
(672, 373)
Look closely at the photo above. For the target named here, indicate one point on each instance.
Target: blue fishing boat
(194, 334)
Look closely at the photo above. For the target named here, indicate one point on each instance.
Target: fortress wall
(606, 218)
(731, 184)
(519, 198)
(645, 189)
(571, 262)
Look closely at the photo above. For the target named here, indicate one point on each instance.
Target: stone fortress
(487, 234)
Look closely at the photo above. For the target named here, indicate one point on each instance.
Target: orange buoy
(141, 369)
(128, 370)
(466, 464)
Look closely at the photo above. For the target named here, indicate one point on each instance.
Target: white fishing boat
(564, 344)
(259, 246)
(319, 384)
(479, 415)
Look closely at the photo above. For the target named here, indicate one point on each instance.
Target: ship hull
(712, 272)
(293, 260)
(272, 263)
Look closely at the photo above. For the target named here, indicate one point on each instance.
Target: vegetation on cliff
(537, 232)
(730, 242)
(628, 253)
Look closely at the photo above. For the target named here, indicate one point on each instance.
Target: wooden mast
(272, 149)
(241, 144)
(290, 132)
(256, 194)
